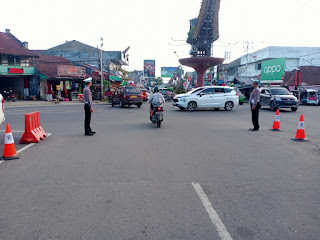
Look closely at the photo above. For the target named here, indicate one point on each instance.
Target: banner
(71, 71)
(149, 68)
(168, 71)
(272, 71)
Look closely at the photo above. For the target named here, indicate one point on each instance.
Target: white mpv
(208, 97)
(1, 110)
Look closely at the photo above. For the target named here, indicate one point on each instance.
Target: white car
(208, 97)
(1, 110)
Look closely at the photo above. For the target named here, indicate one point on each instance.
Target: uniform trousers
(87, 119)
(255, 116)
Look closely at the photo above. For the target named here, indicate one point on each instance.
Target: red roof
(310, 76)
(10, 45)
(48, 65)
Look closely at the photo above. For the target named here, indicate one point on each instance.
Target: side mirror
(201, 94)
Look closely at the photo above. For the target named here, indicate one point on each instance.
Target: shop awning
(114, 78)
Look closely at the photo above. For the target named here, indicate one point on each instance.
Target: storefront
(21, 80)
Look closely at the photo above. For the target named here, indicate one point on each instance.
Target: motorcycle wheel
(159, 123)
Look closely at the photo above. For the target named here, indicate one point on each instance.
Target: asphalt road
(135, 181)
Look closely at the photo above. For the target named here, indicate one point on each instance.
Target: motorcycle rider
(155, 100)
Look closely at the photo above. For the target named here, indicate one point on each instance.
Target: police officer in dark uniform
(255, 106)
(88, 109)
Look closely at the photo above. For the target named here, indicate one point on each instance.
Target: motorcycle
(156, 115)
(10, 96)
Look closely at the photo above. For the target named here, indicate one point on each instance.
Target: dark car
(129, 95)
(278, 97)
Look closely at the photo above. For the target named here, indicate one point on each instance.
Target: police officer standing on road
(255, 106)
(88, 109)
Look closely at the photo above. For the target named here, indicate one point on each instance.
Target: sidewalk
(29, 103)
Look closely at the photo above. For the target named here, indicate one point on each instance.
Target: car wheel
(273, 106)
(192, 106)
(139, 105)
(293, 109)
(229, 106)
(182, 109)
(121, 104)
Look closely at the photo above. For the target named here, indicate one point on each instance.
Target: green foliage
(106, 83)
(159, 81)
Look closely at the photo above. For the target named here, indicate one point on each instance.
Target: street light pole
(101, 68)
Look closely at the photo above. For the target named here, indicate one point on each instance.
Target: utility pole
(101, 69)
(247, 48)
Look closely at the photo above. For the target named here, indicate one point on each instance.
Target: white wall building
(250, 65)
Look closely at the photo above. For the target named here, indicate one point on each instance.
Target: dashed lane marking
(222, 230)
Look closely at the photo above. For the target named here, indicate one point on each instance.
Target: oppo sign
(273, 70)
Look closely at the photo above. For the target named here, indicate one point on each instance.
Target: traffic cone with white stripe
(276, 123)
(301, 134)
(9, 151)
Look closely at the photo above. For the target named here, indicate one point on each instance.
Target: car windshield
(280, 91)
(132, 90)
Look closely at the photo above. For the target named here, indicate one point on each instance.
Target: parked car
(310, 97)
(128, 95)
(278, 97)
(208, 97)
(241, 96)
(2, 118)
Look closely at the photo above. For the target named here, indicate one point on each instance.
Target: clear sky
(149, 26)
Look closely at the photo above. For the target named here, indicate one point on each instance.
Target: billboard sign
(71, 71)
(272, 71)
(149, 68)
(168, 71)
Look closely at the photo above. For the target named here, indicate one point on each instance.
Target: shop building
(59, 78)
(17, 70)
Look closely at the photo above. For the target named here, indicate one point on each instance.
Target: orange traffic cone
(276, 123)
(9, 151)
(301, 135)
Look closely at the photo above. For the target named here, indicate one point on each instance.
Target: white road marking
(13, 131)
(1, 162)
(222, 230)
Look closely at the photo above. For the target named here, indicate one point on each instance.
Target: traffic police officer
(255, 106)
(88, 109)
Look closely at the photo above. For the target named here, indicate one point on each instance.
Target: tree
(159, 81)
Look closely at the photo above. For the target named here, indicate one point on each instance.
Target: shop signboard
(272, 71)
(71, 71)
(16, 70)
(149, 68)
(168, 71)
(58, 87)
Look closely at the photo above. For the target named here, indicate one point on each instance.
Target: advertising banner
(72, 71)
(149, 68)
(168, 71)
(272, 71)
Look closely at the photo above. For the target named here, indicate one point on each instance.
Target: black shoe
(254, 129)
(89, 134)
(93, 132)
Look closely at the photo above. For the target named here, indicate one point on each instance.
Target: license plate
(133, 96)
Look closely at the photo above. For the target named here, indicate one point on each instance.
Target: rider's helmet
(156, 89)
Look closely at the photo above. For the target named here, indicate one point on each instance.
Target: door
(205, 98)
(263, 97)
(219, 98)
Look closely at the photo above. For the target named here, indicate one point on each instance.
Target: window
(263, 91)
(133, 90)
(207, 91)
(259, 66)
(10, 60)
(18, 60)
(228, 90)
(219, 90)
